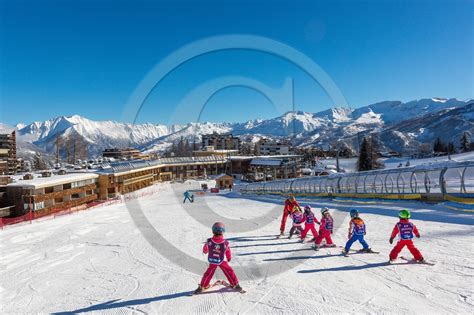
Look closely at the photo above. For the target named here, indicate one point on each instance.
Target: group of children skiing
(218, 249)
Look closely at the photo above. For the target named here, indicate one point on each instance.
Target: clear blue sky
(87, 57)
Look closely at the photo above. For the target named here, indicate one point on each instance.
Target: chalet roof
(221, 176)
(41, 182)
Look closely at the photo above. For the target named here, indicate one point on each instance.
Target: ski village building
(42, 194)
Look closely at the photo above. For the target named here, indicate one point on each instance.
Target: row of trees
(72, 147)
(465, 145)
(182, 147)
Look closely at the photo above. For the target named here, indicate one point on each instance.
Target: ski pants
(411, 247)
(191, 199)
(226, 269)
(354, 238)
(294, 228)
(283, 221)
(324, 234)
(308, 227)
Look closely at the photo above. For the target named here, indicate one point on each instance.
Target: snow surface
(350, 165)
(98, 260)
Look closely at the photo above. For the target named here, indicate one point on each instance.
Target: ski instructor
(290, 204)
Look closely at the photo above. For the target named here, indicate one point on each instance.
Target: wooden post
(31, 211)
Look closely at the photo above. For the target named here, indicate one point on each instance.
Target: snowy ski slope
(99, 261)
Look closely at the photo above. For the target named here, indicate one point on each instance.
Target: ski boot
(421, 260)
(345, 253)
(316, 247)
(301, 240)
(198, 290)
(330, 245)
(238, 288)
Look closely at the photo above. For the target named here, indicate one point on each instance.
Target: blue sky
(87, 57)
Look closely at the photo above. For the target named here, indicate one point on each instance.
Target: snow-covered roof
(266, 162)
(222, 176)
(40, 182)
(250, 157)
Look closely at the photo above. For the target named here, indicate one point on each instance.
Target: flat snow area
(100, 260)
(350, 164)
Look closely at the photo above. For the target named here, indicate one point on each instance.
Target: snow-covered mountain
(400, 124)
(99, 134)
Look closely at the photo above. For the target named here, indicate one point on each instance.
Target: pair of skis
(414, 261)
(216, 283)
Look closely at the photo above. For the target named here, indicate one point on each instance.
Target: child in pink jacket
(298, 220)
(217, 250)
(309, 223)
(325, 229)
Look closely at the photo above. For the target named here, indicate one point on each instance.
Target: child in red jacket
(217, 249)
(405, 230)
(325, 229)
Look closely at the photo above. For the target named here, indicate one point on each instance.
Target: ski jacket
(327, 224)
(186, 194)
(289, 206)
(298, 218)
(216, 249)
(356, 227)
(405, 230)
(309, 217)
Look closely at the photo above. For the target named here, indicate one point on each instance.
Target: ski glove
(391, 240)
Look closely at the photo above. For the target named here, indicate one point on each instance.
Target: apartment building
(221, 141)
(8, 160)
(271, 147)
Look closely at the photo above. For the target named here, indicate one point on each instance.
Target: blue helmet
(218, 228)
(354, 213)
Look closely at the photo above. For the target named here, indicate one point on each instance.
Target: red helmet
(218, 228)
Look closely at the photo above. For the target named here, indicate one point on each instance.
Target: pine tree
(466, 144)
(368, 156)
(365, 158)
(39, 163)
(451, 148)
(439, 146)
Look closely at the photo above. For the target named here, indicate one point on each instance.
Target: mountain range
(401, 127)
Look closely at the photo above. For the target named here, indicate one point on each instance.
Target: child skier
(325, 229)
(217, 250)
(298, 219)
(290, 204)
(356, 233)
(188, 196)
(405, 230)
(310, 221)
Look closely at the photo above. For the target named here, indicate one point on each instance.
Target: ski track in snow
(97, 261)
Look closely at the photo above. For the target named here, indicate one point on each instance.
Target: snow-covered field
(100, 260)
(350, 164)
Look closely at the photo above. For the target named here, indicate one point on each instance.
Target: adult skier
(188, 196)
(290, 204)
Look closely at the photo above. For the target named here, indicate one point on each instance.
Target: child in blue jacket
(356, 233)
